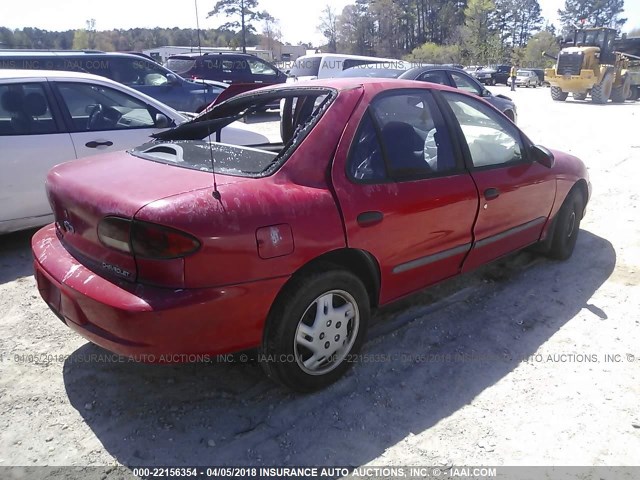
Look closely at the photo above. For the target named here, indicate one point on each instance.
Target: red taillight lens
(115, 232)
(155, 241)
(144, 239)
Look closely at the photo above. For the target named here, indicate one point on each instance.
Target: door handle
(95, 144)
(491, 193)
(367, 219)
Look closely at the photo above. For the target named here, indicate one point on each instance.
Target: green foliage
(433, 53)
(135, 39)
(595, 13)
(539, 43)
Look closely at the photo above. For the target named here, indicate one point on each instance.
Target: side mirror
(172, 79)
(486, 93)
(542, 155)
(161, 121)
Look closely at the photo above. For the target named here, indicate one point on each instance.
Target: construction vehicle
(590, 64)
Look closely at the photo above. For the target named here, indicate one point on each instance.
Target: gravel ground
(524, 362)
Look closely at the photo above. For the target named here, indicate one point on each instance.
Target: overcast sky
(298, 18)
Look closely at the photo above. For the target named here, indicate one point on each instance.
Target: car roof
(19, 73)
(348, 83)
(64, 53)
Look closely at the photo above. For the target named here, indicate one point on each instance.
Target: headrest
(35, 104)
(12, 101)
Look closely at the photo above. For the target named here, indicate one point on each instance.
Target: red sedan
(184, 248)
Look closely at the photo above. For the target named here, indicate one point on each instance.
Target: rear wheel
(558, 95)
(579, 96)
(567, 226)
(317, 322)
(623, 91)
(601, 92)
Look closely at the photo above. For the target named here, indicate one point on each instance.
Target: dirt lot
(525, 362)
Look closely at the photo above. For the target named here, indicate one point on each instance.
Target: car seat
(404, 148)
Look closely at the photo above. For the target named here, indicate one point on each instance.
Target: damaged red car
(378, 188)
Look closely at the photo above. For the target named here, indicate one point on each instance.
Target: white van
(328, 65)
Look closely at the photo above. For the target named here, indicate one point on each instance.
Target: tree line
(459, 31)
(438, 31)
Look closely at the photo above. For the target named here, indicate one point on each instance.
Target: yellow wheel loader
(590, 65)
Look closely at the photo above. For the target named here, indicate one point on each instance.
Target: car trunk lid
(84, 192)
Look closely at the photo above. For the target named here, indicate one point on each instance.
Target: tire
(579, 96)
(601, 92)
(567, 226)
(620, 93)
(558, 95)
(306, 349)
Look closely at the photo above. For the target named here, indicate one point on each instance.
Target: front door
(516, 194)
(103, 119)
(405, 198)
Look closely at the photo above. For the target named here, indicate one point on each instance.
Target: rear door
(516, 194)
(404, 196)
(32, 140)
(104, 119)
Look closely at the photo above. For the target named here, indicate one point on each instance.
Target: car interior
(24, 110)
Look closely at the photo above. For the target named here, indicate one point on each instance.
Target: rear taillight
(115, 232)
(146, 240)
(155, 241)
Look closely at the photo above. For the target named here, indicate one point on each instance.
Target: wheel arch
(359, 262)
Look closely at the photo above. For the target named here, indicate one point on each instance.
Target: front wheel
(580, 96)
(316, 324)
(567, 226)
(558, 95)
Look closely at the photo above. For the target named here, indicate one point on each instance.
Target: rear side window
(434, 76)
(306, 67)
(24, 110)
(411, 140)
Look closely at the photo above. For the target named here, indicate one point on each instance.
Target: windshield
(306, 67)
(203, 155)
(180, 65)
(187, 145)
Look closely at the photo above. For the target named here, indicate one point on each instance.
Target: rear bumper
(148, 323)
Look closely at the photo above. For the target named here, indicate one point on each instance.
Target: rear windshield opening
(242, 136)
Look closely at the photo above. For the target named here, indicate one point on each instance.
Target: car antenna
(216, 192)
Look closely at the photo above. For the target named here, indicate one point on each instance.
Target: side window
(434, 76)
(365, 161)
(259, 67)
(463, 83)
(95, 108)
(134, 72)
(24, 110)
(492, 140)
(410, 135)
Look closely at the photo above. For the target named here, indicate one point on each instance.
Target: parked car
(486, 76)
(329, 65)
(49, 117)
(135, 71)
(441, 74)
(502, 73)
(525, 78)
(226, 67)
(378, 189)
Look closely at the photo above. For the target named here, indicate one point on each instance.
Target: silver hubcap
(572, 224)
(326, 332)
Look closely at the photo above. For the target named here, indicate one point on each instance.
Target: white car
(329, 65)
(50, 117)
